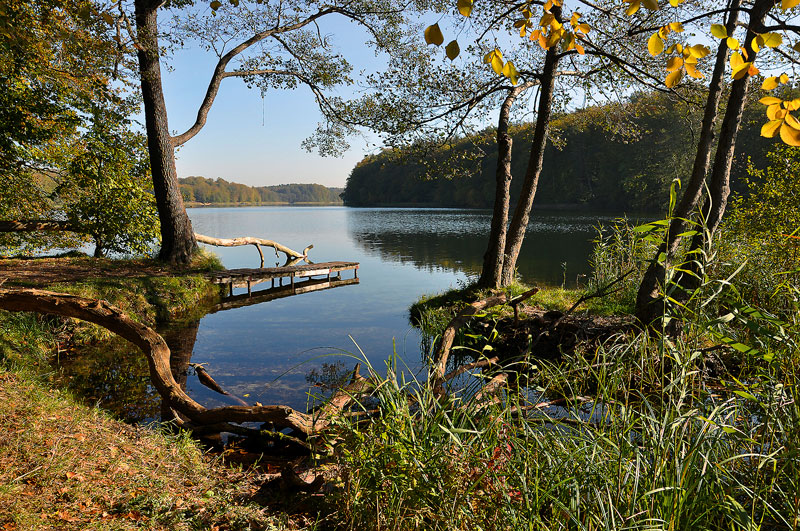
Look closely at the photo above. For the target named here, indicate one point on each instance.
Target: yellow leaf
(736, 60)
(510, 71)
(790, 135)
(792, 105)
(774, 112)
(769, 83)
(753, 70)
(633, 8)
(770, 129)
(489, 57)
(675, 3)
(583, 28)
(692, 70)
(719, 31)
(548, 5)
(784, 78)
(674, 78)
(553, 39)
(792, 122)
(674, 63)
(497, 64)
(452, 50)
(546, 19)
(671, 49)
(465, 7)
(573, 20)
(788, 4)
(580, 49)
(652, 5)
(699, 51)
(732, 43)
(433, 35)
(740, 71)
(772, 40)
(757, 43)
(677, 27)
(655, 45)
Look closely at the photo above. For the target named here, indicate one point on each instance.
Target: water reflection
(265, 352)
(115, 375)
(555, 251)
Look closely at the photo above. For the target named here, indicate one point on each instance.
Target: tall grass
(696, 431)
(653, 446)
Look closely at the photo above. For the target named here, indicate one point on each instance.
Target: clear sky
(235, 145)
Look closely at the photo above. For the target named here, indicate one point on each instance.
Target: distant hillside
(588, 162)
(216, 191)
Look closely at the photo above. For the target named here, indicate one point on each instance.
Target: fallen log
(157, 353)
(292, 256)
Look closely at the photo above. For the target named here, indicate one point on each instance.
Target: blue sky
(235, 145)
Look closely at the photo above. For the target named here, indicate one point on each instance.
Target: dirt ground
(37, 272)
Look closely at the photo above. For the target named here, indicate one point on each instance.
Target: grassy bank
(66, 465)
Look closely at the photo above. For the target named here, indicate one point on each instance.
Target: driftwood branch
(449, 334)
(292, 256)
(208, 381)
(158, 354)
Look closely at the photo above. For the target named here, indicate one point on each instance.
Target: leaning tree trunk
(177, 237)
(492, 272)
(649, 299)
(519, 223)
(720, 185)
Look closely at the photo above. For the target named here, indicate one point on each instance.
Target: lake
(268, 352)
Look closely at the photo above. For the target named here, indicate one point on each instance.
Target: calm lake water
(268, 351)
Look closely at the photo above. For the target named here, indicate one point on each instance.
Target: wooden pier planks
(246, 278)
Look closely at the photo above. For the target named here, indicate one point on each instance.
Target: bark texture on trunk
(720, 183)
(649, 299)
(519, 223)
(177, 237)
(492, 271)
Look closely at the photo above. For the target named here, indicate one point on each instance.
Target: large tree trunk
(720, 185)
(519, 223)
(177, 237)
(649, 299)
(492, 272)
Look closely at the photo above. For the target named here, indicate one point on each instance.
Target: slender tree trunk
(519, 223)
(720, 185)
(649, 299)
(177, 237)
(492, 272)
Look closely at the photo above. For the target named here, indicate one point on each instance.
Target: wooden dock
(247, 278)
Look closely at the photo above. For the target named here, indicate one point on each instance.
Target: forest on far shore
(615, 157)
(216, 191)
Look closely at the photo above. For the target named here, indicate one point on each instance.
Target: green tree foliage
(618, 156)
(772, 205)
(67, 147)
(107, 189)
(204, 190)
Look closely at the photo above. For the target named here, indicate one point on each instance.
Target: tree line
(205, 190)
(595, 159)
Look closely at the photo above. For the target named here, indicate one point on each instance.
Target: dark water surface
(266, 351)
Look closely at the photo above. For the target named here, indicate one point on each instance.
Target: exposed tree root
(158, 357)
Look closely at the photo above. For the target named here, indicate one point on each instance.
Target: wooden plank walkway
(247, 278)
